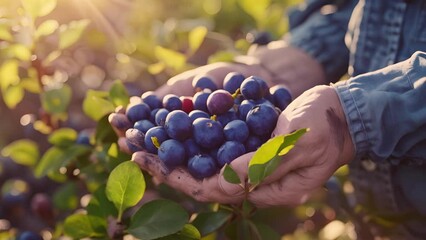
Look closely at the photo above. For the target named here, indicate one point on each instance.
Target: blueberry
(160, 116)
(151, 100)
(178, 125)
(252, 88)
(281, 96)
(226, 117)
(219, 101)
(172, 102)
(207, 133)
(236, 130)
(160, 133)
(244, 108)
(194, 114)
(135, 139)
(202, 166)
(152, 116)
(253, 143)
(232, 81)
(260, 38)
(262, 119)
(119, 121)
(191, 148)
(28, 235)
(143, 125)
(83, 137)
(138, 111)
(200, 100)
(172, 153)
(229, 151)
(201, 82)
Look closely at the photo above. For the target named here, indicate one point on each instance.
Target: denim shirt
(381, 44)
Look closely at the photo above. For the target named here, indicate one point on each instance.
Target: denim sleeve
(319, 29)
(386, 111)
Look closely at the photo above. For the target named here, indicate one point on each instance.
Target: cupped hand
(212, 189)
(317, 154)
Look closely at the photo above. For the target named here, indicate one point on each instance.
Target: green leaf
(23, 152)
(65, 198)
(170, 57)
(208, 222)
(46, 28)
(196, 37)
(104, 132)
(230, 175)
(13, 95)
(9, 74)
(5, 33)
(99, 204)
(63, 137)
(39, 8)
(267, 158)
(71, 33)
(157, 219)
(95, 104)
(266, 232)
(31, 85)
(255, 8)
(80, 226)
(56, 101)
(125, 186)
(55, 158)
(118, 94)
(18, 51)
(189, 232)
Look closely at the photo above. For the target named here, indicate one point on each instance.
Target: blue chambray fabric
(381, 44)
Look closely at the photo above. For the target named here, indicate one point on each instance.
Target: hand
(317, 154)
(212, 189)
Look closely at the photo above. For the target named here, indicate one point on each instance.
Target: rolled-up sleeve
(319, 30)
(386, 111)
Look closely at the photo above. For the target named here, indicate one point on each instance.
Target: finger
(240, 166)
(292, 189)
(120, 123)
(206, 190)
(123, 145)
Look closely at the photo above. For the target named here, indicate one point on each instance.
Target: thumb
(240, 166)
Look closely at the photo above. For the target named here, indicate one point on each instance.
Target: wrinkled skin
(316, 156)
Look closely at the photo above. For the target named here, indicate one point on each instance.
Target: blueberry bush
(66, 67)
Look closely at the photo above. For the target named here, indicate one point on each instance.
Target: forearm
(386, 112)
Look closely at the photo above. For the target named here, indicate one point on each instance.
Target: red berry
(187, 104)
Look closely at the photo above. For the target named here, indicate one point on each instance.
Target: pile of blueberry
(207, 130)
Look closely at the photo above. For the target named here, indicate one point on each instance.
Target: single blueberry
(160, 116)
(152, 100)
(252, 143)
(207, 133)
(200, 100)
(152, 116)
(143, 125)
(202, 166)
(138, 111)
(236, 130)
(281, 96)
(191, 148)
(28, 235)
(244, 108)
(227, 117)
(201, 82)
(194, 114)
(252, 89)
(158, 132)
(178, 125)
(229, 151)
(262, 119)
(232, 81)
(172, 153)
(172, 102)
